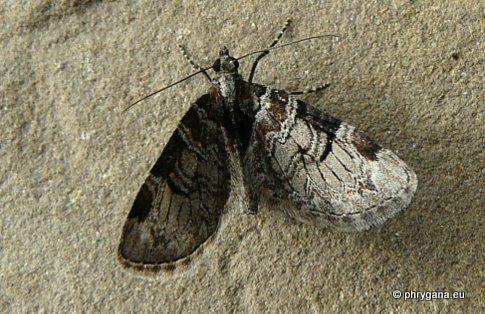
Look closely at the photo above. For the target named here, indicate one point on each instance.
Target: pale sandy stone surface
(410, 74)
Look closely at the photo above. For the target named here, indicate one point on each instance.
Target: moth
(280, 147)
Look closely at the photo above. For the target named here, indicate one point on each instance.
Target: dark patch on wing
(367, 147)
(318, 119)
(142, 204)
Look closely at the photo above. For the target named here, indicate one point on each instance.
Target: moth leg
(263, 54)
(311, 90)
(193, 64)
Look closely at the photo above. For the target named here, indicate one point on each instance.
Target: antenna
(244, 56)
(166, 87)
(284, 45)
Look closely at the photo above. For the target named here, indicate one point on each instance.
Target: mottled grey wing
(179, 205)
(335, 174)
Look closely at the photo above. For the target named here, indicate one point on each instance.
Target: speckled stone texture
(410, 74)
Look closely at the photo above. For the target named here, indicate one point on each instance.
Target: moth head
(226, 63)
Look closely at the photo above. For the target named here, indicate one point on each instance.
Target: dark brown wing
(179, 205)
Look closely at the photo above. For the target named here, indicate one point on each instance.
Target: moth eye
(235, 63)
(217, 65)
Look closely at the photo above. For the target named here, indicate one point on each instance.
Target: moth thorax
(227, 87)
